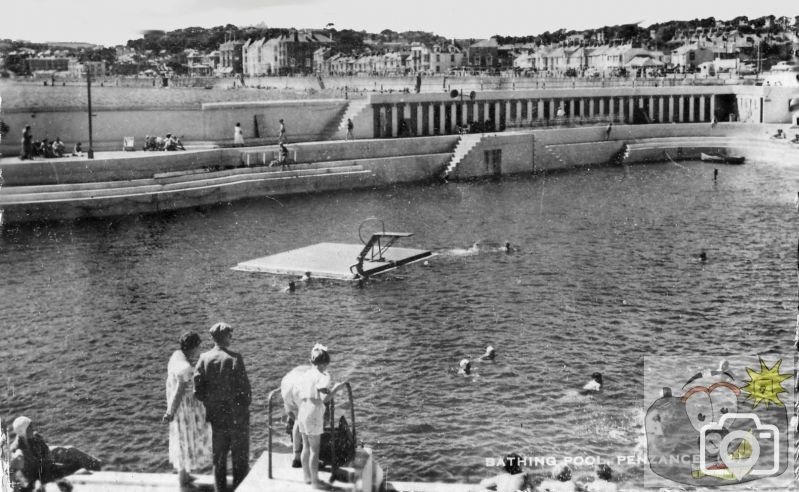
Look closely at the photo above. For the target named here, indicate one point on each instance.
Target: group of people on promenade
(208, 400)
(45, 148)
(168, 142)
(208, 412)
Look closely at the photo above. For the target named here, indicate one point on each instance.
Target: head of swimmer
(513, 464)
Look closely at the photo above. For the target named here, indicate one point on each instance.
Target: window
(438, 57)
(452, 58)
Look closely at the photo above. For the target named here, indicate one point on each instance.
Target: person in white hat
(39, 462)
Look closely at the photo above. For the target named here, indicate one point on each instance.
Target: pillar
(394, 120)
(381, 118)
(508, 105)
(610, 109)
(601, 106)
(681, 109)
(591, 108)
(552, 108)
(702, 108)
(420, 119)
(431, 119)
(651, 109)
(540, 109)
(571, 108)
(465, 113)
(530, 110)
(453, 111)
(442, 120)
(632, 109)
(519, 105)
(671, 109)
(660, 109)
(497, 115)
(486, 110)
(712, 107)
(691, 108)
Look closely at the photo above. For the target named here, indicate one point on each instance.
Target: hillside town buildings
(708, 48)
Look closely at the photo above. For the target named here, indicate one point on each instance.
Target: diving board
(338, 261)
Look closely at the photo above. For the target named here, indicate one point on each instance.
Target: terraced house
(291, 53)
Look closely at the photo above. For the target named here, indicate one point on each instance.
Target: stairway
(465, 145)
(354, 108)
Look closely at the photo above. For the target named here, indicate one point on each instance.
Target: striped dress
(189, 433)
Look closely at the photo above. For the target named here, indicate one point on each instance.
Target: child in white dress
(315, 389)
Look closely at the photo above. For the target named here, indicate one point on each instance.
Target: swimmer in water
(464, 367)
(561, 481)
(291, 287)
(507, 247)
(489, 355)
(593, 386)
(306, 277)
(511, 479)
(603, 483)
(703, 256)
(715, 175)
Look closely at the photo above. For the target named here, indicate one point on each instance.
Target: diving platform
(339, 261)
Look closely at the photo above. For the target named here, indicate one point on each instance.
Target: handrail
(332, 417)
(333, 466)
(269, 430)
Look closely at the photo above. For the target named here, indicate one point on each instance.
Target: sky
(110, 22)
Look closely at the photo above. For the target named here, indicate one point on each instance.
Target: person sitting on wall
(170, 144)
(46, 148)
(77, 151)
(33, 460)
(58, 147)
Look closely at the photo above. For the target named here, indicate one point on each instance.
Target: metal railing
(332, 416)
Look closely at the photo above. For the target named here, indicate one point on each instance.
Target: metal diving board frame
(335, 260)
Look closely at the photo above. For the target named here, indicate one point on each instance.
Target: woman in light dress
(238, 136)
(189, 433)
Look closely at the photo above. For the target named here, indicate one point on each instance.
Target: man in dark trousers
(221, 383)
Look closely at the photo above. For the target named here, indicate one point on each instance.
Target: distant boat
(727, 159)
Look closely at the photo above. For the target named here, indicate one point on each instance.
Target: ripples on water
(604, 270)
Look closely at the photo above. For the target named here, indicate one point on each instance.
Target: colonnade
(449, 116)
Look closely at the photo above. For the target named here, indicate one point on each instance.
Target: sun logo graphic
(765, 386)
(716, 428)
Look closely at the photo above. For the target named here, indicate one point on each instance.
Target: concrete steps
(354, 109)
(465, 145)
(193, 182)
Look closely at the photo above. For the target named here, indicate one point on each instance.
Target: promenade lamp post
(89, 152)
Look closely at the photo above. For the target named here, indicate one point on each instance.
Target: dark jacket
(38, 463)
(221, 383)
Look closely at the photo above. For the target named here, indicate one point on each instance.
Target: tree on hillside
(108, 55)
(17, 63)
(348, 41)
